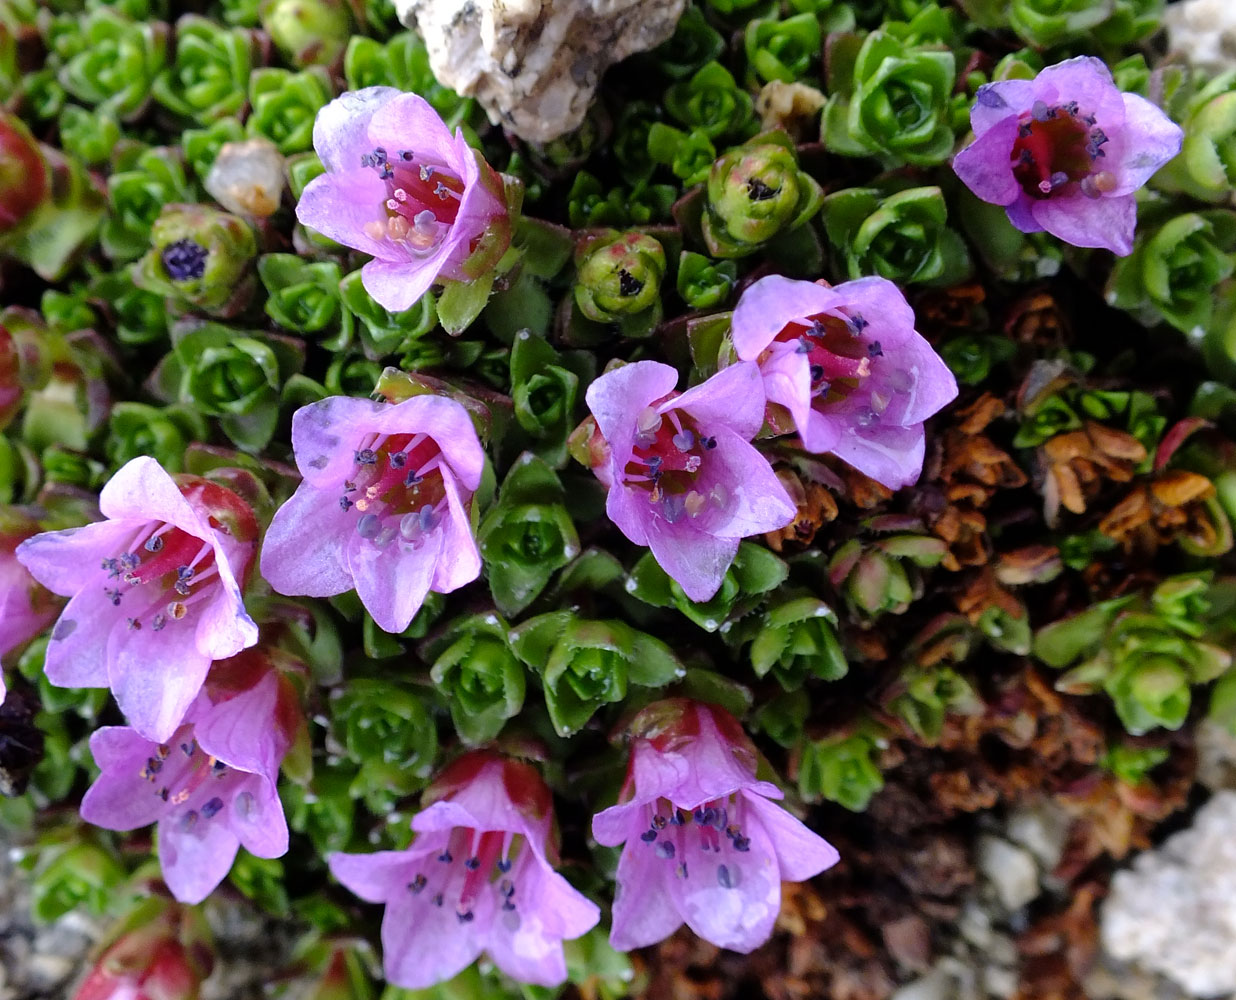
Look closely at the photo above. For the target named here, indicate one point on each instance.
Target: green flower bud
(208, 78)
(689, 155)
(201, 257)
(881, 576)
(308, 32)
(384, 730)
(711, 102)
(694, 43)
(922, 696)
(754, 572)
(234, 375)
(797, 639)
(285, 104)
(618, 280)
(901, 236)
(384, 333)
(586, 664)
(71, 870)
(201, 145)
(527, 536)
(117, 62)
(890, 100)
(841, 770)
(704, 283)
(1174, 270)
(163, 433)
(304, 297)
(481, 679)
(755, 192)
(136, 197)
(783, 49)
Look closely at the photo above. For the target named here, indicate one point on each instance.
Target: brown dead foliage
(1079, 464)
(1168, 508)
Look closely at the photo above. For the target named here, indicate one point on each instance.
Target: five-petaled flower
(703, 843)
(847, 368)
(1065, 151)
(683, 477)
(384, 505)
(478, 877)
(155, 591)
(400, 187)
(211, 785)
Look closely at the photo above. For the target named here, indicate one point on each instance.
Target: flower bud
(618, 280)
(308, 32)
(201, 257)
(162, 951)
(23, 174)
(754, 192)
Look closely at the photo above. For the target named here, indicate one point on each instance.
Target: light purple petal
(242, 731)
(1021, 215)
(787, 382)
(1086, 80)
(740, 915)
(801, 854)
(77, 651)
(341, 129)
(409, 122)
(881, 303)
(618, 396)
(994, 102)
(120, 798)
(916, 381)
(630, 510)
(326, 435)
(769, 304)
(339, 204)
(392, 582)
(644, 913)
(423, 944)
(757, 500)
(892, 456)
(376, 877)
(255, 816)
(195, 859)
(304, 549)
(1151, 139)
(397, 285)
(656, 775)
(65, 561)
(142, 490)
(697, 560)
(985, 166)
(224, 628)
(444, 420)
(732, 398)
(1106, 222)
(460, 563)
(155, 676)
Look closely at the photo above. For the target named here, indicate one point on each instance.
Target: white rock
(534, 65)
(1042, 829)
(1011, 871)
(1202, 32)
(1216, 756)
(1174, 912)
(247, 177)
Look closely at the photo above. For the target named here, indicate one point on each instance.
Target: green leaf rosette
(794, 639)
(841, 769)
(584, 665)
(478, 674)
(284, 106)
(304, 297)
(209, 75)
(889, 100)
(136, 195)
(526, 536)
(545, 393)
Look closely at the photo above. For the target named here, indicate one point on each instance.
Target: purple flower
(384, 505)
(26, 608)
(477, 878)
(210, 786)
(683, 478)
(847, 367)
(399, 187)
(1065, 151)
(703, 843)
(155, 591)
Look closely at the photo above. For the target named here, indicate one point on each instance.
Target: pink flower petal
(769, 304)
(304, 550)
(733, 398)
(374, 877)
(801, 854)
(195, 859)
(1152, 138)
(341, 129)
(644, 912)
(696, 560)
(985, 166)
(392, 582)
(1107, 222)
(890, 455)
(464, 564)
(155, 675)
(618, 396)
(423, 944)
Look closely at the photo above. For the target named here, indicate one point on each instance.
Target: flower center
(185, 260)
(180, 769)
(396, 488)
(1057, 146)
(421, 201)
(839, 358)
(166, 567)
(670, 461)
(472, 863)
(717, 832)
